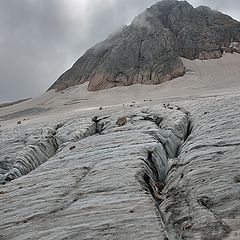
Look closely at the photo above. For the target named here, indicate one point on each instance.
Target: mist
(42, 39)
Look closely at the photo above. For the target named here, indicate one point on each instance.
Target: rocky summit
(148, 51)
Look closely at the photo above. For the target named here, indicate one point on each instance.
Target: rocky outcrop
(200, 32)
(121, 164)
(33, 156)
(235, 47)
(148, 50)
(137, 54)
(45, 146)
(166, 173)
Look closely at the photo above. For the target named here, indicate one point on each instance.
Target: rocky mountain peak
(148, 51)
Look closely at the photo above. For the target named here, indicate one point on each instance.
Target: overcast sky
(40, 39)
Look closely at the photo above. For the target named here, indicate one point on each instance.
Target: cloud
(41, 39)
(231, 8)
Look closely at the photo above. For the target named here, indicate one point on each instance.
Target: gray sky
(40, 39)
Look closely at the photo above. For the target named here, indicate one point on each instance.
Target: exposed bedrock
(33, 156)
(170, 129)
(135, 55)
(148, 50)
(202, 194)
(46, 145)
(100, 176)
(146, 174)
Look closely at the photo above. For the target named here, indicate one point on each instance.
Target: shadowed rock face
(148, 50)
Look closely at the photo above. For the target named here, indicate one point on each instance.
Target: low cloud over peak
(41, 39)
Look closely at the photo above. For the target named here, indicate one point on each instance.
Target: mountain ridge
(148, 51)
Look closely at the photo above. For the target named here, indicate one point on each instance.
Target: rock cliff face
(148, 50)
